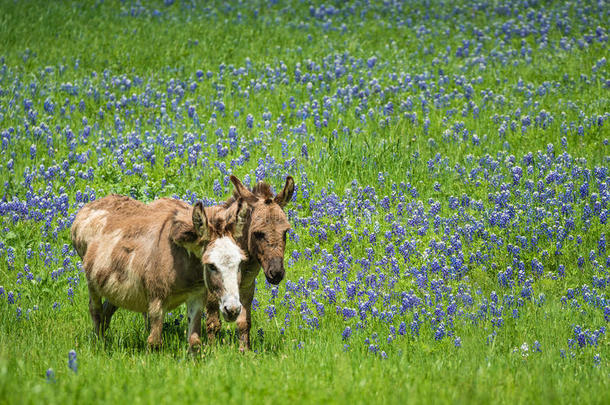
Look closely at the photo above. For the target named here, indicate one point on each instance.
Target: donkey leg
(212, 320)
(146, 321)
(244, 320)
(155, 314)
(95, 309)
(108, 309)
(193, 310)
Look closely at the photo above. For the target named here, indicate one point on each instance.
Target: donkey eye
(212, 268)
(259, 235)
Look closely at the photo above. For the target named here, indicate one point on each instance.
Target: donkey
(264, 239)
(151, 258)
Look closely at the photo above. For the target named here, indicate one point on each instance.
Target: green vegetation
(449, 226)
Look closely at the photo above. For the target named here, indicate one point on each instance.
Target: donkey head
(268, 225)
(222, 256)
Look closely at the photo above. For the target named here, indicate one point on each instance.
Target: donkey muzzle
(230, 309)
(275, 270)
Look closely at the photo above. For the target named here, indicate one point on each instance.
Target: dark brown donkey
(150, 258)
(264, 240)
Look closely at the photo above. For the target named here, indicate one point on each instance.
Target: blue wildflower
(347, 332)
(72, 361)
(50, 375)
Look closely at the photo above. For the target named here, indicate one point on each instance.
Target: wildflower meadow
(450, 215)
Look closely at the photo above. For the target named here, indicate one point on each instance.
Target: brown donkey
(264, 239)
(151, 258)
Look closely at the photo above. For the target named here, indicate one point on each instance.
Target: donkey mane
(262, 190)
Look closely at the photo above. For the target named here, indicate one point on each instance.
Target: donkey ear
(285, 196)
(240, 220)
(243, 192)
(182, 233)
(200, 221)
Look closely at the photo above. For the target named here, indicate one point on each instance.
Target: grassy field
(449, 225)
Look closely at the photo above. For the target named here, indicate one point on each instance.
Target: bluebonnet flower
(414, 328)
(50, 374)
(597, 360)
(218, 190)
(402, 329)
(585, 337)
(10, 257)
(348, 313)
(270, 311)
(49, 106)
(536, 346)
(72, 361)
(347, 332)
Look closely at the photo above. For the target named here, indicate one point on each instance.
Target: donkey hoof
(194, 341)
(194, 345)
(154, 345)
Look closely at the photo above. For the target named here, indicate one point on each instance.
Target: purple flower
(72, 361)
(597, 360)
(49, 107)
(347, 332)
(348, 313)
(270, 311)
(402, 329)
(50, 375)
(218, 191)
(536, 346)
(304, 152)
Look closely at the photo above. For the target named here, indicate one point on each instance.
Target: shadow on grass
(129, 334)
(259, 343)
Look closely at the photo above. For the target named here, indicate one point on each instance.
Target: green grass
(280, 371)
(291, 361)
